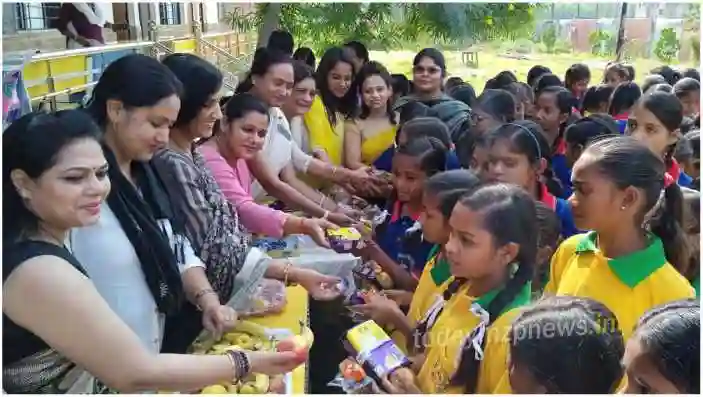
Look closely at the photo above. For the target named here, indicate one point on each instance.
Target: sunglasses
(429, 70)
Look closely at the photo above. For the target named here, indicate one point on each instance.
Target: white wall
(212, 12)
(106, 9)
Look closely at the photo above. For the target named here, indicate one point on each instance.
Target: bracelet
(200, 294)
(241, 367)
(286, 271)
(334, 170)
(322, 200)
(325, 215)
(286, 274)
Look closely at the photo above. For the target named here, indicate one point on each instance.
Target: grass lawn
(490, 63)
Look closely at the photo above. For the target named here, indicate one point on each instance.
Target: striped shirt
(212, 224)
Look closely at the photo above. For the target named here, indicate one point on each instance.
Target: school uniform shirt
(563, 210)
(696, 284)
(392, 240)
(629, 286)
(432, 283)
(560, 167)
(681, 178)
(621, 121)
(446, 338)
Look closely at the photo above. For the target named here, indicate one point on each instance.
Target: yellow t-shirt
(629, 286)
(445, 338)
(433, 281)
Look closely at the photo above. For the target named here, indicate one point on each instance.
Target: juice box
(374, 349)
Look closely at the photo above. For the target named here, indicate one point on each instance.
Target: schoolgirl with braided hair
(636, 254)
(492, 251)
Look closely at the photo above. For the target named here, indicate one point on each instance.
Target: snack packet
(352, 379)
(374, 350)
(344, 239)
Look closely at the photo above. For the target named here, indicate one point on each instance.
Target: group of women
(126, 223)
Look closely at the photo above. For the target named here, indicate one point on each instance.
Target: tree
(384, 25)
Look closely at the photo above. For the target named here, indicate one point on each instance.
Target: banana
(250, 328)
(307, 334)
(261, 383)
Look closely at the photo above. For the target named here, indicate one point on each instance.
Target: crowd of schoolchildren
(541, 237)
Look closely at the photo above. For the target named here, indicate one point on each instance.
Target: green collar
(633, 268)
(523, 297)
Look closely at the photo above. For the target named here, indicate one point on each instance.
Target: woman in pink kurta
(239, 138)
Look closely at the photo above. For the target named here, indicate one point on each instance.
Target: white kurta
(108, 257)
(280, 149)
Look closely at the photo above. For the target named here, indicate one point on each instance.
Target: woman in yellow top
(462, 339)
(369, 135)
(324, 122)
(632, 259)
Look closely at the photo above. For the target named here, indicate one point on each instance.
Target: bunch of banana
(245, 336)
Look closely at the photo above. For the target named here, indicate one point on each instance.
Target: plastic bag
(352, 379)
(269, 297)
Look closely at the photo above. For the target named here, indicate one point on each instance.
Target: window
(36, 16)
(170, 14)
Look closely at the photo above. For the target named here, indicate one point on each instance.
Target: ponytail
(665, 222)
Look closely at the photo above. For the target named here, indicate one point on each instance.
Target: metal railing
(154, 47)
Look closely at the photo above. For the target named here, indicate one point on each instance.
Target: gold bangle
(286, 275)
(286, 270)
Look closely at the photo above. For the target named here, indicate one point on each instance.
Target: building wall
(51, 39)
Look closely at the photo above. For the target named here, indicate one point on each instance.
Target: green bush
(549, 37)
(602, 43)
(668, 46)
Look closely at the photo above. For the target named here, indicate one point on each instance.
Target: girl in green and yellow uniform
(440, 194)
(491, 253)
(636, 254)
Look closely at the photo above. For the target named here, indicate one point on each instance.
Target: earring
(622, 208)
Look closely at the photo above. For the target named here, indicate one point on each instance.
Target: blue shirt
(392, 238)
(385, 161)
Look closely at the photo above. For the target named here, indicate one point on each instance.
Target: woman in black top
(60, 335)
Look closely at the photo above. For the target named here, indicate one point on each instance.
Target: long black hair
(509, 216)
(32, 144)
(264, 58)
(667, 108)
(373, 68)
(135, 80)
(670, 336)
(626, 162)
(348, 104)
(201, 80)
